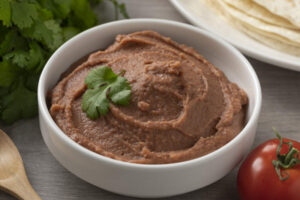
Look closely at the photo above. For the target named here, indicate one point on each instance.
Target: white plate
(207, 19)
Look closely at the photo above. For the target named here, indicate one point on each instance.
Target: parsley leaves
(104, 86)
(30, 31)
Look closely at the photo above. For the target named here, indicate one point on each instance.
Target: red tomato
(257, 177)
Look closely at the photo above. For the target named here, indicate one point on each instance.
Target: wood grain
(281, 108)
(13, 178)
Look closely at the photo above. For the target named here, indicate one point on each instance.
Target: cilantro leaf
(23, 13)
(9, 42)
(82, 14)
(69, 32)
(36, 56)
(123, 10)
(59, 8)
(20, 103)
(8, 74)
(47, 32)
(99, 76)
(31, 81)
(104, 86)
(18, 57)
(63, 7)
(44, 14)
(3, 91)
(5, 12)
(26, 59)
(95, 102)
(120, 91)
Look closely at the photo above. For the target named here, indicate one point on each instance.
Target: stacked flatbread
(275, 23)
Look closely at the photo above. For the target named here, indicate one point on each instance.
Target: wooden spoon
(13, 178)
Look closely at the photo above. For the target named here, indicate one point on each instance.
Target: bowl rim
(43, 109)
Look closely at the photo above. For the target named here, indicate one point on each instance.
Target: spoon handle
(13, 178)
(20, 187)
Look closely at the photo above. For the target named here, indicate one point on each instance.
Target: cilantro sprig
(104, 86)
(30, 31)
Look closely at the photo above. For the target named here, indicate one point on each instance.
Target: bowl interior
(222, 55)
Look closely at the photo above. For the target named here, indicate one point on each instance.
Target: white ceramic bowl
(149, 180)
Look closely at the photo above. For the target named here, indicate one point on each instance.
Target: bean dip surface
(182, 107)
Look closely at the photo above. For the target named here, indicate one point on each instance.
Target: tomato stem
(285, 161)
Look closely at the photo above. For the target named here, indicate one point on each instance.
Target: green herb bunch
(30, 31)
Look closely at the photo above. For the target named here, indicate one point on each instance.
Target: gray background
(281, 108)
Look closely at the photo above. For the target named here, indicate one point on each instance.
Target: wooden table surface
(281, 108)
